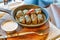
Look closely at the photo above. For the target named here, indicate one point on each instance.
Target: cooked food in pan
(30, 16)
(34, 18)
(22, 19)
(19, 13)
(40, 18)
(25, 11)
(38, 10)
(28, 19)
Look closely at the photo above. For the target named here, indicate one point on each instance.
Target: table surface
(53, 30)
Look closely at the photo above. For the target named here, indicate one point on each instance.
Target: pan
(14, 12)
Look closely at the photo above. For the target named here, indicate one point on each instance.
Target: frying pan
(14, 12)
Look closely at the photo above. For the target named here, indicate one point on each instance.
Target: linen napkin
(54, 12)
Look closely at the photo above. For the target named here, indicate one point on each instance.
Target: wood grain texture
(32, 36)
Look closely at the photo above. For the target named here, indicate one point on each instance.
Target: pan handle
(6, 10)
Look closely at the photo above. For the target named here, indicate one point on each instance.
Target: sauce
(9, 26)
